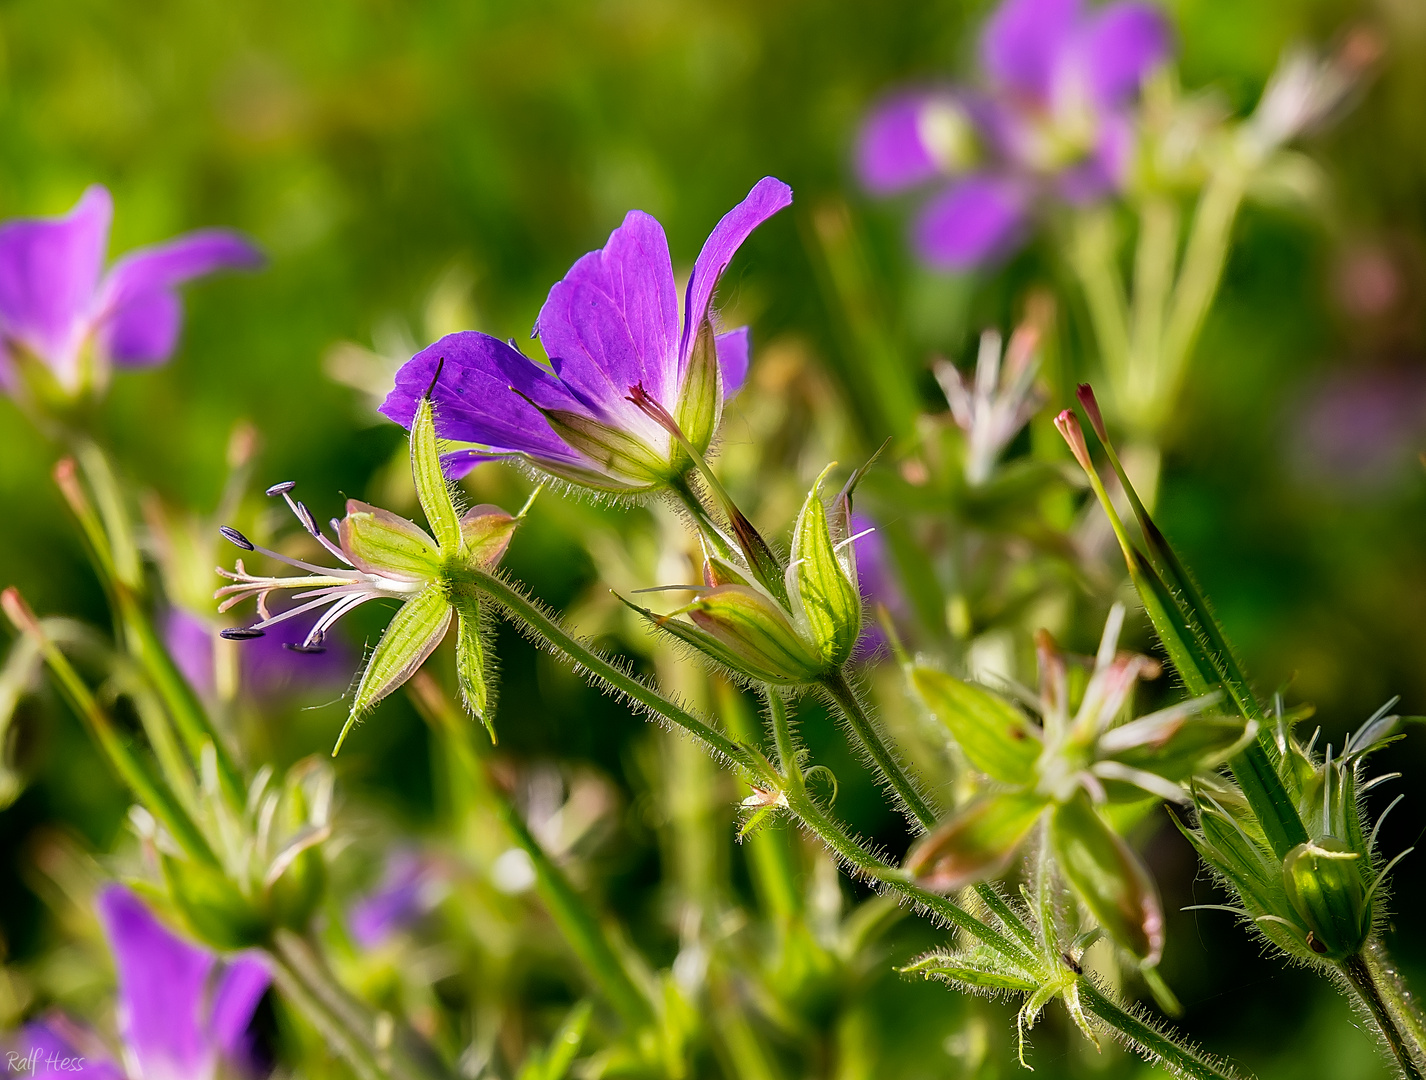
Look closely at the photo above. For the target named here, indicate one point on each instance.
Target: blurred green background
(412, 168)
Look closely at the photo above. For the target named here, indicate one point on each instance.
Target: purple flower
(1054, 119)
(57, 310)
(268, 668)
(613, 333)
(879, 584)
(409, 889)
(182, 1013)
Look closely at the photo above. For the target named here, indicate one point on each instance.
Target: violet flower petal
(162, 987)
(1115, 48)
(234, 1001)
(612, 321)
(768, 196)
(477, 400)
(189, 639)
(396, 903)
(1022, 42)
(733, 348)
(139, 313)
(978, 220)
(891, 154)
(49, 270)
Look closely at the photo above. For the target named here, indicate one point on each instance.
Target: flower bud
(755, 635)
(995, 736)
(1324, 885)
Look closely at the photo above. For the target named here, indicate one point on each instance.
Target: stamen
(239, 633)
(309, 650)
(282, 488)
(234, 537)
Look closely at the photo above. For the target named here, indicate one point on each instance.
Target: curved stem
(1385, 998)
(862, 725)
(1179, 1059)
(545, 628)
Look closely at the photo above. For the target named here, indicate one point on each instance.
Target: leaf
(379, 542)
(979, 973)
(413, 634)
(431, 485)
(996, 737)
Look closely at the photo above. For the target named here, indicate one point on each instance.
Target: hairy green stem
(864, 728)
(1181, 1060)
(1380, 991)
(545, 628)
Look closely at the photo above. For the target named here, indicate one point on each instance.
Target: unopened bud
(1323, 880)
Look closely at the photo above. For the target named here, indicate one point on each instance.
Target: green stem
(864, 728)
(1092, 259)
(1179, 1059)
(1379, 988)
(373, 1043)
(1153, 278)
(782, 736)
(579, 925)
(544, 627)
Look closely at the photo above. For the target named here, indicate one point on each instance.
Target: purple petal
(162, 986)
(1106, 169)
(476, 396)
(733, 350)
(612, 322)
(980, 219)
(140, 313)
(892, 154)
(49, 271)
(768, 196)
(190, 642)
(55, 1048)
(234, 1001)
(1022, 42)
(1115, 48)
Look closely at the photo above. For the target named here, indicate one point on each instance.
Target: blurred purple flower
(56, 308)
(878, 581)
(610, 325)
(268, 667)
(1359, 432)
(182, 1013)
(409, 889)
(1053, 119)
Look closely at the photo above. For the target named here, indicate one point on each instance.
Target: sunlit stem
(529, 616)
(578, 923)
(1379, 987)
(865, 730)
(130, 768)
(782, 735)
(1181, 1060)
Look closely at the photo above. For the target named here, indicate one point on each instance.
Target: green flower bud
(977, 843)
(749, 632)
(1324, 885)
(822, 579)
(995, 736)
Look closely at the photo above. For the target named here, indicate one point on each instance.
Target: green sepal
(431, 487)
(1175, 747)
(624, 455)
(700, 400)
(485, 534)
(412, 635)
(829, 597)
(996, 737)
(380, 542)
(976, 843)
(1111, 880)
(988, 972)
(470, 663)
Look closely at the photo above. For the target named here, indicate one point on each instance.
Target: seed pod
(1324, 885)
